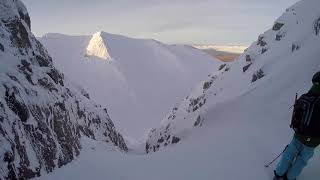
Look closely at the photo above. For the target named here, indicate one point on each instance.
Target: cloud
(177, 20)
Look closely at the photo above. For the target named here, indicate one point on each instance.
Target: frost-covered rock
(98, 47)
(277, 26)
(257, 75)
(42, 115)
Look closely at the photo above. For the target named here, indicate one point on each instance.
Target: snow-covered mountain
(233, 122)
(236, 49)
(138, 79)
(265, 78)
(226, 53)
(43, 117)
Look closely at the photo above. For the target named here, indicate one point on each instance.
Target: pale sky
(171, 21)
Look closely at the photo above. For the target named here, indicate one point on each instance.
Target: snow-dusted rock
(98, 47)
(42, 115)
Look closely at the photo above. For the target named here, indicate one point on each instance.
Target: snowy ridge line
(142, 77)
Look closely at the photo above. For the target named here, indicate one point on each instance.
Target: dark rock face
(246, 67)
(17, 106)
(42, 117)
(317, 26)
(277, 26)
(295, 47)
(195, 104)
(45, 83)
(1, 47)
(19, 34)
(25, 68)
(278, 37)
(206, 85)
(198, 122)
(249, 62)
(163, 139)
(86, 95)
(25, 18)
(166, 135)
(261, 41)
(175, 140)
(42, 61)
(263, 50)
(56, 76)
(248, 58)
(258, 75)
(55, 137)
(222, 66)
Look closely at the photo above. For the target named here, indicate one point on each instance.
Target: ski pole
(269, 164)
(295, 101)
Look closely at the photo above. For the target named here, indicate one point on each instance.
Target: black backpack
(306, 116)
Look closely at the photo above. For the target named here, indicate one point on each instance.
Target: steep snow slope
(244, 116)
(42, 115)
(143, 78)
(284, 57)
(222, 149)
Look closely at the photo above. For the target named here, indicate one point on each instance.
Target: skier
(306, 124)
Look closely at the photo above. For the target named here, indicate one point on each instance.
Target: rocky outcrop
(246, 67)
(222, 66)
(317, 26)
(295, 47)
(169, 134)
(261, 42)
(258, 75)
(42, 116)
(98, 47)
(277, 26)
(1, 47)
